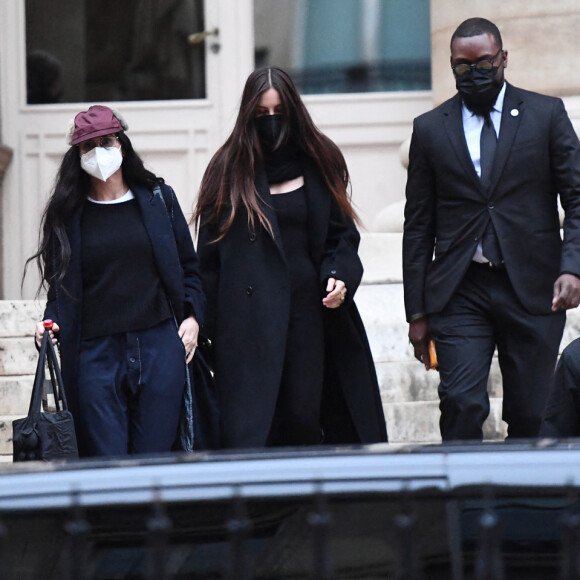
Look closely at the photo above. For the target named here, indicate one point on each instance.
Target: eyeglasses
(105, 141)
(460, 69)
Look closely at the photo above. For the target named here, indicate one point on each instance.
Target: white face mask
(102, 163)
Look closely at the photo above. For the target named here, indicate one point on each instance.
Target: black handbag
(44, 436)
(206, 408)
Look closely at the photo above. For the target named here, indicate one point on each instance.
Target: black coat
(176, 262)
(246, 281)
(448, 210)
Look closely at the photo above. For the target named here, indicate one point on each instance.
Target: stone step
(15, 393)
(418, 422)
(6, 433)
(18, 356)
(409, 382)
(19, 317)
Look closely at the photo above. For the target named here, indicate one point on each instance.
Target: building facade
(176, 71)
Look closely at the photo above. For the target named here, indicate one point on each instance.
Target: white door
(176, 138)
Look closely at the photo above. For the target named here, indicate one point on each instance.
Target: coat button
(252, 237)
(249, 290)
(333, 272)
(491, 205)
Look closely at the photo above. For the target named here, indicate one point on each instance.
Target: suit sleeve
(341, 260)
(565, 164)
(194, 299)
(419, 228)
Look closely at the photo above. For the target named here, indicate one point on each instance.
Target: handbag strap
(56, 378)
(47, 355)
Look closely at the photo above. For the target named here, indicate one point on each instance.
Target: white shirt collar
(126, 197)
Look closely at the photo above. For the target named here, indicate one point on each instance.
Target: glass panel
(345, 46)
(111, 50)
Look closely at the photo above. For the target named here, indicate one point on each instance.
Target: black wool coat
(247, 285)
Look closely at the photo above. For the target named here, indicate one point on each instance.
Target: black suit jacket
(447, 210)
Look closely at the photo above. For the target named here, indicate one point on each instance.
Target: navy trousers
(484, 313)
(130, 391)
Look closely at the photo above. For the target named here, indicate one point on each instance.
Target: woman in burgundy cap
(117, 258)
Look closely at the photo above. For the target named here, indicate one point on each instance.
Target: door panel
(176, 138)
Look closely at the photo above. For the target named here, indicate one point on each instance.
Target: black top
(122, 291)
(292, 214)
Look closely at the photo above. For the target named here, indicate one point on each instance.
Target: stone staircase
(409, 393)
(18, 358)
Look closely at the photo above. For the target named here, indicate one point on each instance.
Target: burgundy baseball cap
(97, 121)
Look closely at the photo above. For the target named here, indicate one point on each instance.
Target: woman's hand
(40, 331)
(336, 293)
(188, 331)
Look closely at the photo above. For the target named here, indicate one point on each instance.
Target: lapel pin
(514, 112)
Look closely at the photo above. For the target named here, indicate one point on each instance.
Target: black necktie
(488, 142)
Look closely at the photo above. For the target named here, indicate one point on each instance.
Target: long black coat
(247, 285)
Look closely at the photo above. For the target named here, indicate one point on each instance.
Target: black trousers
(297, 415)
(485, 313)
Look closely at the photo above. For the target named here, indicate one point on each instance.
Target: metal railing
(163, 548)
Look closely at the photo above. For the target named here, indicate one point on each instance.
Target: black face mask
(479, 89)
(281, 163)
(269, 128)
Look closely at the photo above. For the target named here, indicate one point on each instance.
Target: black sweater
(122, 291)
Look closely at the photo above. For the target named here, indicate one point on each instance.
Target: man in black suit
(562, 412)
(483, 261)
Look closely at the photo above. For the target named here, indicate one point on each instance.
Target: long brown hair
(228, 182)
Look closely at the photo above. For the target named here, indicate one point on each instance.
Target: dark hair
(68, 195)
(476, 27)
(228, 182)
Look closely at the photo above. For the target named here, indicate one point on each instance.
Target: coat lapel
(155, 214)
(72, 281)
(453, 123)
(158, 225)
(318, 209)
(510, 122)
(265, 197)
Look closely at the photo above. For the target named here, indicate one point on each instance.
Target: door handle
(199, 37)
